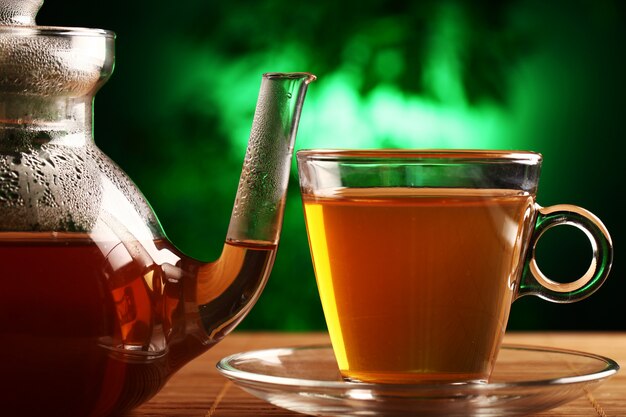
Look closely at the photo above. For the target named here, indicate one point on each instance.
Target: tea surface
(416, 283)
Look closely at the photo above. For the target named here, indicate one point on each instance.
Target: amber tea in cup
(418, 256)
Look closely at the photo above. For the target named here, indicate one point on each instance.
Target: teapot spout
(258, 211)
(228, 288)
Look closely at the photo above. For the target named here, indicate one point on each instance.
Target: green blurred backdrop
(546, 76)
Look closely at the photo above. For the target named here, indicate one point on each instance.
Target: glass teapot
(97, 307)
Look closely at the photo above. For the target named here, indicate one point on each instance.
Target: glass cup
(418, 256)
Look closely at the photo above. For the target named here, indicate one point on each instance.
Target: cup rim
(466, 155)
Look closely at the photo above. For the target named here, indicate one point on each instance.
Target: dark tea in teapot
(90, 326)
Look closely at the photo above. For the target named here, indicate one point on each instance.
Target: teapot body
(94, 320)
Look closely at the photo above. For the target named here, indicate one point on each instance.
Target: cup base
(386, 377)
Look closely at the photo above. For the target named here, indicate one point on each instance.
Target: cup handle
(534, 282)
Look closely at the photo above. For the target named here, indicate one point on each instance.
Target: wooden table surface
(198, 390)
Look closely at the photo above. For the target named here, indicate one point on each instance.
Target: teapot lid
(49, 60)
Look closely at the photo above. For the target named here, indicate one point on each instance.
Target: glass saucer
(525, 380)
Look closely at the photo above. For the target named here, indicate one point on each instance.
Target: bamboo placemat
(199, 391)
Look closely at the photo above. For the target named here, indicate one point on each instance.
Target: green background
(546, 76)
